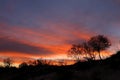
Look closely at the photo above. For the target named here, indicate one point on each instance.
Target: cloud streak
(9, 45)
(49, 28)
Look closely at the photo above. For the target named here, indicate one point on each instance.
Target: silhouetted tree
(75, 52)
(7, 62)
(81, 50)
(99, 43)
(88, 51)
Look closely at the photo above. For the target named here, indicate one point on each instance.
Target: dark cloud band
(10, 45)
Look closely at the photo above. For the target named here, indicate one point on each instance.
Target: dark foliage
(99, 43)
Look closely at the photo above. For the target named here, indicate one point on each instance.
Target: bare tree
(88, 51)
(81, 50)
(75, 51)
(7, 62)
(99, 43)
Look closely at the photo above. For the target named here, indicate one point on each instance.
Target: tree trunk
(99, 55)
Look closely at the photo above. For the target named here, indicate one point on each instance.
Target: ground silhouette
(107, 69)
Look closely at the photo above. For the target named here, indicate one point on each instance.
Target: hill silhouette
(108, 69)
(115, 57)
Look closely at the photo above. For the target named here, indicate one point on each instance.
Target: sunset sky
(48, 28)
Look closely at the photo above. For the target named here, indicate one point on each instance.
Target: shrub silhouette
(24, 64)
(7, 62)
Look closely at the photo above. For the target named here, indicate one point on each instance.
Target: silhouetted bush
(7, 62)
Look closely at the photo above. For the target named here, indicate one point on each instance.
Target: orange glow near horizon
(57, 45)
(18, 58)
